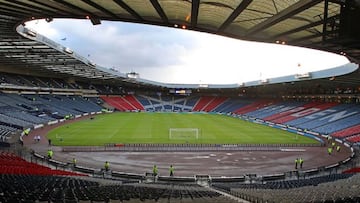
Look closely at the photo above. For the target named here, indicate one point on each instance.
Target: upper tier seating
(279, 118)
(35, 81)
(339, 124)
(133, 100)
(202, 103)
(125, 103)
(318, 114)
(167, 103)
(327, 116)
(231, 104)
(253, 106)
(208, 103)
(273, 109)
(305, 112)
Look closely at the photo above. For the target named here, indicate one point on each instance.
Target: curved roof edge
(332, 72)
(327, 73)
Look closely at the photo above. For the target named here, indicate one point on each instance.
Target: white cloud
(181, 56)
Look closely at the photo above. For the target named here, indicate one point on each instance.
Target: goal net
(184, 133)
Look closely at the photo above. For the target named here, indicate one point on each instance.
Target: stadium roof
(328, 25)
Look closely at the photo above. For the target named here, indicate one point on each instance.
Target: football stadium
(72, 130)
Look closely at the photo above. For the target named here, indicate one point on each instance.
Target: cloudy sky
(181, 56)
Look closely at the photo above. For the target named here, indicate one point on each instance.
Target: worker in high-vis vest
(338, 148)
(107, 165)
(301, 161)
(74, 161)
(171, 170)
(330, 149)
(50, 154)
(155, 170)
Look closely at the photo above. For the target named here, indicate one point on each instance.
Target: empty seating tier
(12, 164)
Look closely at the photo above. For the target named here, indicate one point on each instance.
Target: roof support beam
(299, 40)
(194, 12)
(32, 7)
(239, 9)
(326, 7)
(128, 9)
(85, 12)
(160, 11)
(100, 8)
(282, 15)
(304, 27)
(15, 8)
(52, 7)
(12, 12)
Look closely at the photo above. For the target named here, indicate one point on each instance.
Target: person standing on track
(330, 149)
(301, 161)
(171, 170)
(74, 161)
(155, 170)
(50, 153)
(107, 166)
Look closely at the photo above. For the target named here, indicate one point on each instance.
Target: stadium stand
(166, 103)
(191, 101)
(282, 116)
(354, 139)
(214, 103)
(352, 170)
(253, 106)
(332, 188)
(121, 101)
(347, 132)
(23, 111)
(202, 103)
(339, 124)
(273, 109)
(143, 101)
(134, 102)
(304, 112)
(328, 115)
(12, 164)
(5, 131)
(208, 103)
(317, 115)
(231, 104)
(17, 188)
(113, 102)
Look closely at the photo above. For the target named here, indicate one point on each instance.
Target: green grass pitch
(154, 128)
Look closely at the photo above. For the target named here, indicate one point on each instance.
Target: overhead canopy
(329, 25)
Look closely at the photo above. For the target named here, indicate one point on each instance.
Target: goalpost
(184, 133)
